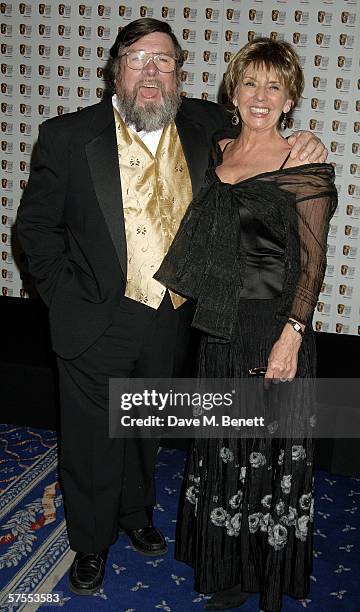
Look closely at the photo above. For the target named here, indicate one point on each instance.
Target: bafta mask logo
(252, 14)
(185, 55)
(339, 82)
(343, 39)
(185, 33)
(314, 103)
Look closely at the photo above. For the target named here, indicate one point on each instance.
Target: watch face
(296, 326)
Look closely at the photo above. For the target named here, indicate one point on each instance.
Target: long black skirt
(246, 510)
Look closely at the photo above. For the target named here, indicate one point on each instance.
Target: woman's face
(261, 98)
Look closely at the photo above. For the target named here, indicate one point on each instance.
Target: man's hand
(307, 147)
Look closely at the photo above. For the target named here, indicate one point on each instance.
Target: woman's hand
(283, 358)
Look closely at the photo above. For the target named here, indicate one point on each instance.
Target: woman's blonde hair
(273, 54)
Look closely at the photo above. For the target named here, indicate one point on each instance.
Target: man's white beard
(150, 117)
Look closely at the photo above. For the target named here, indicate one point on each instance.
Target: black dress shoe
(227, 599)
(87, 572)
(147, 541)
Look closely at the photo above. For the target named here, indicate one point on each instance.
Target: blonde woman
(252, 251)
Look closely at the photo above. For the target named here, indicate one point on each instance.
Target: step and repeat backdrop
(53, 57)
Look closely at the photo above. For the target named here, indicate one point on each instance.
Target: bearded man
(107, 191)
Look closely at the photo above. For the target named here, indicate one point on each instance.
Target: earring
(235, 119)
(284, 122)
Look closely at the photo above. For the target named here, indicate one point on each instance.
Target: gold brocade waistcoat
(156, 192)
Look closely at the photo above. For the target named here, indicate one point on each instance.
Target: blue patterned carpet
(35, 556)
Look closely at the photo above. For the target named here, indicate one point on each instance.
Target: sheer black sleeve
(315, 203)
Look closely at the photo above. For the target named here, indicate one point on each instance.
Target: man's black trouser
(110, 482)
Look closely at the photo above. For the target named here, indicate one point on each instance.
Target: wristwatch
(295, 325)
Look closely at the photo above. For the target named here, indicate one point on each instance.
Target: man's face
(148, 97)
(149, 84)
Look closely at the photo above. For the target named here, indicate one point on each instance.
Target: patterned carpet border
(35, 555)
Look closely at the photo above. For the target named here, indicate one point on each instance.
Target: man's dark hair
(135, 30)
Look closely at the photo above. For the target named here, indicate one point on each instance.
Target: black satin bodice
(264, 263)
(264, 259)
(264, 254)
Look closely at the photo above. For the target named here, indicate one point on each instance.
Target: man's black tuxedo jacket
(70, 220)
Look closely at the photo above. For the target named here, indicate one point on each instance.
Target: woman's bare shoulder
(224, 142)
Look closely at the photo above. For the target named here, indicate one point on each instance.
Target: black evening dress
(251, 254)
